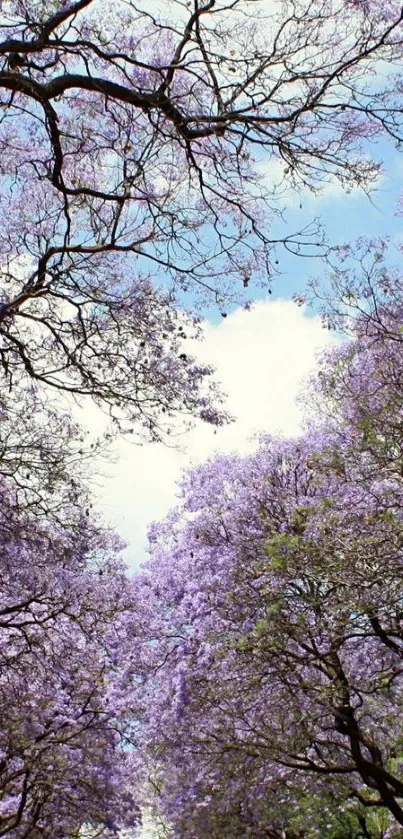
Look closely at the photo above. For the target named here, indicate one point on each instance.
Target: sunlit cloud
(262, 358)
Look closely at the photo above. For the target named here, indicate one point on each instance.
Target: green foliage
(327, 818)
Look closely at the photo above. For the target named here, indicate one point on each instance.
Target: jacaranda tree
(130, 147)
(275, 685)
(67, 665)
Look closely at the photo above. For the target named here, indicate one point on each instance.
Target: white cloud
(262, 358)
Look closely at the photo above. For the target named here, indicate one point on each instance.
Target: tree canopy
(67, 627)
(277, 605)
(130, 147)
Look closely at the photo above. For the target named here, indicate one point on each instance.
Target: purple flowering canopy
(128, 149)
(275, 691)
(67, 663)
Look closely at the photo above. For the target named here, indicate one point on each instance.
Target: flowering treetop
(128, 146)
(276, 661)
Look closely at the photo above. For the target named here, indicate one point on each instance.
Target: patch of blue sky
(345, 217)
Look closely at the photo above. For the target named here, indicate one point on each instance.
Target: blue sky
(345, 217)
